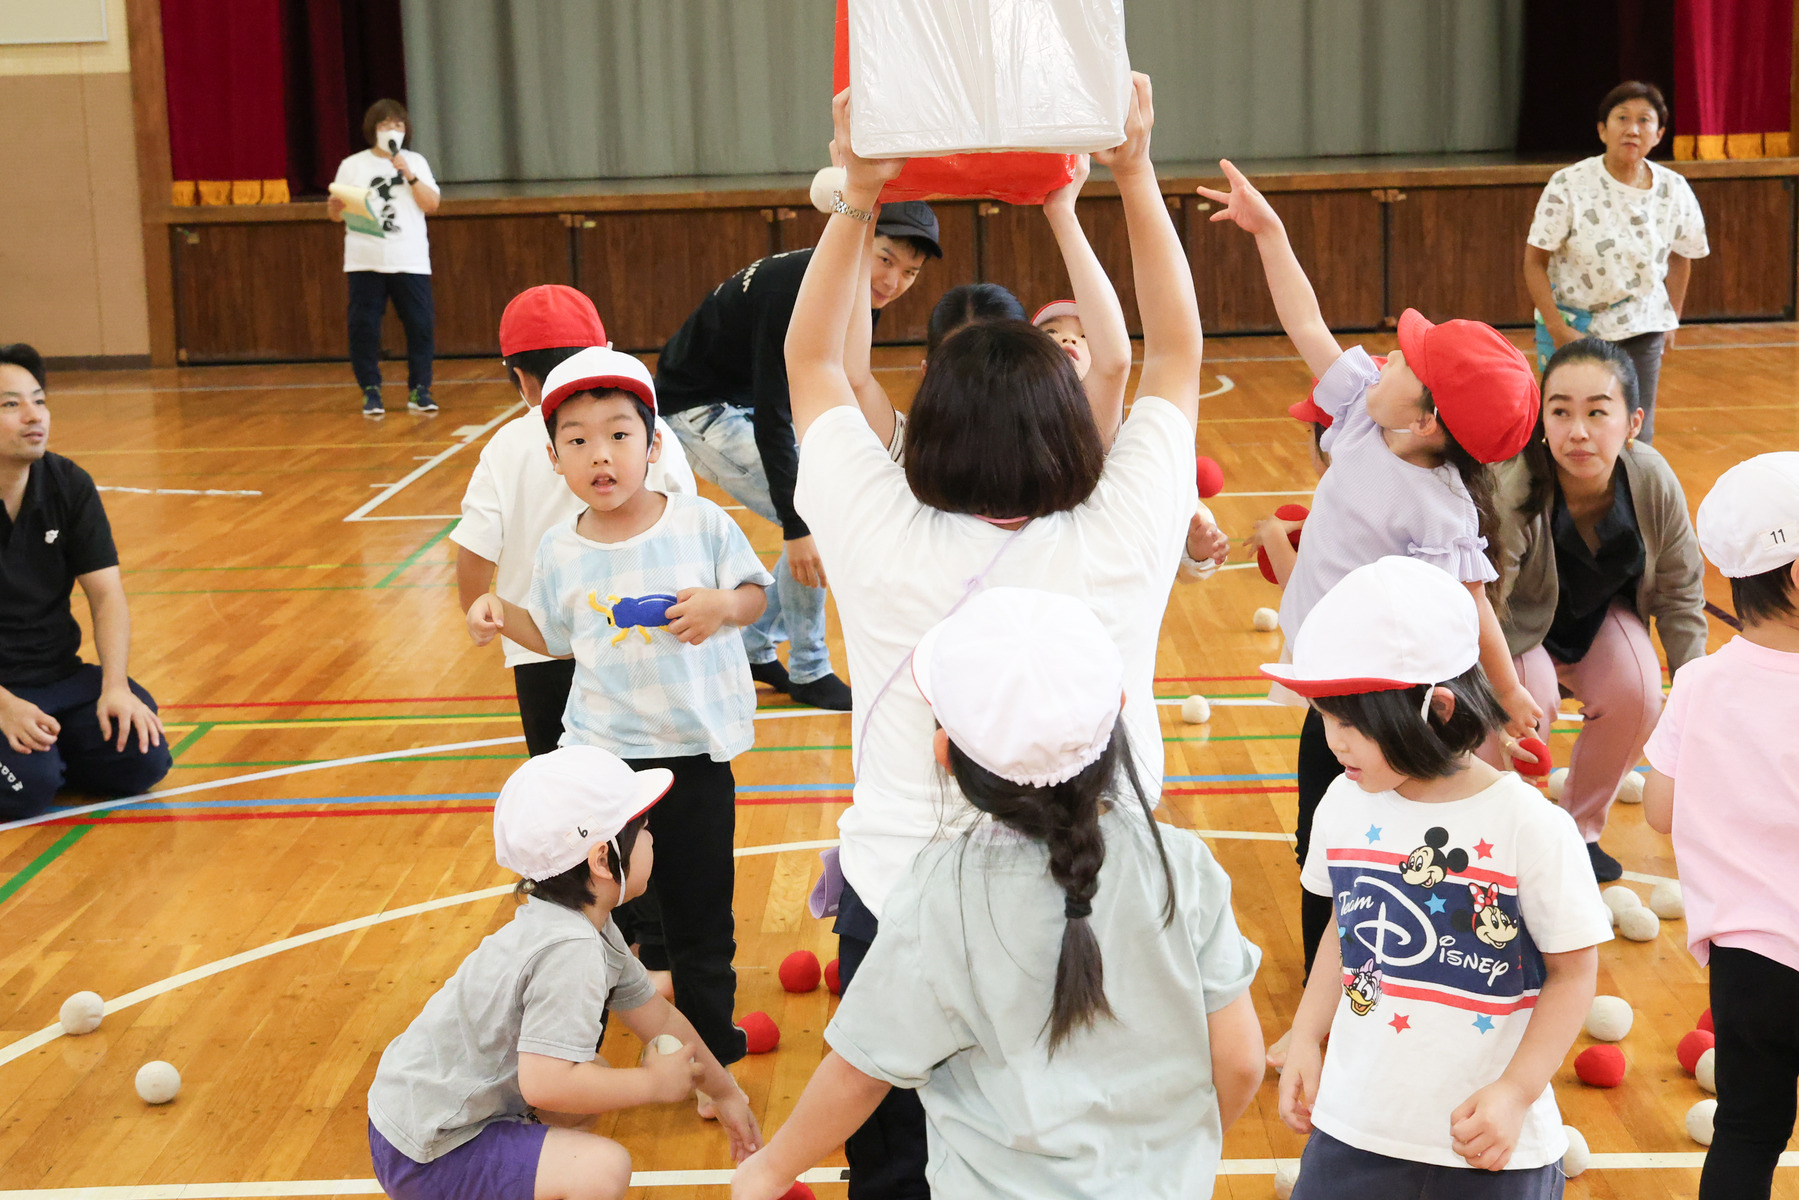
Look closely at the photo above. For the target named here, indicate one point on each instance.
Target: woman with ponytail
(1059, 977)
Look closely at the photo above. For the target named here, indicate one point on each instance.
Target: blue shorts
(1330, 1168)
(499, 1163)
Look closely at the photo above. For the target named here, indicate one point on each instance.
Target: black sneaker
(1606, 869)
(771, 674)
(420, 401)
(827, 691)
(371, 403)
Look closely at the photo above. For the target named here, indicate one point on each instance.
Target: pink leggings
(1619, 685)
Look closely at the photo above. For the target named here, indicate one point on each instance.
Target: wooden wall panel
(1749, 272)
(907, 320)
(647, 271)
(479, 263)
(248, 292)
(1019, 252)
(1459, 252)
(1338, 238)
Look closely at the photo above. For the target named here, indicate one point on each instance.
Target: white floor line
(137, 491)
(1225, 384)
(418, 472)
(1293, 492)
(1690, 1160)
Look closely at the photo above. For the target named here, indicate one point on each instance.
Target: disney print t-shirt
(1444, 913)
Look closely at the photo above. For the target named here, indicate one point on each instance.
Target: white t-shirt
(515, 496)
(1438, 991)
(898, 567)
(1609, 242)
(404, 251)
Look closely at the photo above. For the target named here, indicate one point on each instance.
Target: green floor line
(269, 567)
(193, 735)
(302, 762)
(341, 587)
(43, 860)
(437, 537)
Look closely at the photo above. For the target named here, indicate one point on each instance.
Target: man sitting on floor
(64, 721)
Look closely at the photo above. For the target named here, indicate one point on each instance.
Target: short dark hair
(643, 410)
(386, 110)
(539, 363)
(968, 304)
(1422, 749)
(574, 887)
(1635, 89)
(924, 246)
(23, 354)
(1001, 426)
(1765, 597)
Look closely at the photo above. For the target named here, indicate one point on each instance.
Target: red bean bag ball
(834, 981)
(763, 1035)
(1542, 766)
(1705, 1021)
(1600, 1066)
(1209, 475)
(1692, 1046)
(800, 971)
(799, 1191)
(1286, 512)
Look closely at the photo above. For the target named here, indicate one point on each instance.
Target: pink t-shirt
(1727, 741)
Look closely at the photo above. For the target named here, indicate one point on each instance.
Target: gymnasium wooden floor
(322, 856)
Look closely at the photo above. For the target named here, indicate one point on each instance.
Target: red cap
(1482, 385)
(547, 317)
(1308, 411)
(598, 369)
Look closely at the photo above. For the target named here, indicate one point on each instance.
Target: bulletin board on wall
(36, 23)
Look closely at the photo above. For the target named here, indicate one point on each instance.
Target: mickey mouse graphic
(384, 188)
(1488, 922)
(1364, 990)
(1428, 865)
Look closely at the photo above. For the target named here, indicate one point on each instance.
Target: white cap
(1054, 309)
(1749, 522)
(560, 805)
(1392, 624)
(598, 369)
(1026, 683)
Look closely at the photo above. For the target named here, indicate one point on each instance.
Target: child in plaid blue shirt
(648, 592)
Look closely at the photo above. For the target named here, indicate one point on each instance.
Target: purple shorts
(499, 1163)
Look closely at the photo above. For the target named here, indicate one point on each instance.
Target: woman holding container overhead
(382, 196)
(1613, 242)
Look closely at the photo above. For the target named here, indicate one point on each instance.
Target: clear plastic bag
(938, 77)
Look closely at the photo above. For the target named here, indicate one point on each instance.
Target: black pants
(543, 689)
(694, 827)
(82, 759)
(888, 1154)
(1755, 1013)
(369, 293)
(1318, 768)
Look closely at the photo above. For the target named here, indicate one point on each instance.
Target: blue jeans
(721, 446)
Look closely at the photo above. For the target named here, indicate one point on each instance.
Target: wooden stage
(323, 857)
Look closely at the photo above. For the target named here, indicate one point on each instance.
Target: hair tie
(1077, 910)
(525, 885)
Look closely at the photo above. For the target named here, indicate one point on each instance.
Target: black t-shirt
(1588, 581)
(733, 350)
(61, 532)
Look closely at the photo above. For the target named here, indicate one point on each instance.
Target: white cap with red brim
(1054, 309)
(598, 369)
(1395, 623)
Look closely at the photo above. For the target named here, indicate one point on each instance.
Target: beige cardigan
(1672, 590)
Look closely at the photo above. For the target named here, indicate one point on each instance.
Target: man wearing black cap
(722, 385)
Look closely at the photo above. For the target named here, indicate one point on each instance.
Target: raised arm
(1102, 318)
(816, 380)
(858, 347)
(1294, 300)
(1172, 340)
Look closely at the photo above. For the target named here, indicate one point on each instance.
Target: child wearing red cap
(1408, 443)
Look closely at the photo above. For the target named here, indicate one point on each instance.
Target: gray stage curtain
(585, 89)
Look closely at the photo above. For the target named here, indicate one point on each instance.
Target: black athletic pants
(82, 760)
(1755, 1013)
(1318, 768)
(888, 1154)
(369, 293)
(543, 689)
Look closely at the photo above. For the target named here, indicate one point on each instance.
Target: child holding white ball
(1724, 780)
(1466, 915)
(464, 1101)
(1063, 984)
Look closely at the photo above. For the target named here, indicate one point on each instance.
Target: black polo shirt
(61, 532)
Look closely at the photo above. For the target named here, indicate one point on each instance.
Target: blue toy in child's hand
(626, 613)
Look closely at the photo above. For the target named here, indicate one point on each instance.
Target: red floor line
(269, 815)
(1228, 791)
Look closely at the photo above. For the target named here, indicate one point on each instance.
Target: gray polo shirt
(540, 985)
(954, 997)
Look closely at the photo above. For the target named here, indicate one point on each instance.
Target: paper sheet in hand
(359, 214)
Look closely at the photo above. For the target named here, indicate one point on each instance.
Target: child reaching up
(1408, 444)
(1725, 782)
(463, 1100)
(1466, 914)
(1065, 984)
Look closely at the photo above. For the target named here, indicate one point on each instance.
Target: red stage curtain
(226, 84)
(1733, 62)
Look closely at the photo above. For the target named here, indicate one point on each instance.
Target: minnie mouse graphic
(1488, 922)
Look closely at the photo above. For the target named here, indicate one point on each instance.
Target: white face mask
(390, 140)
